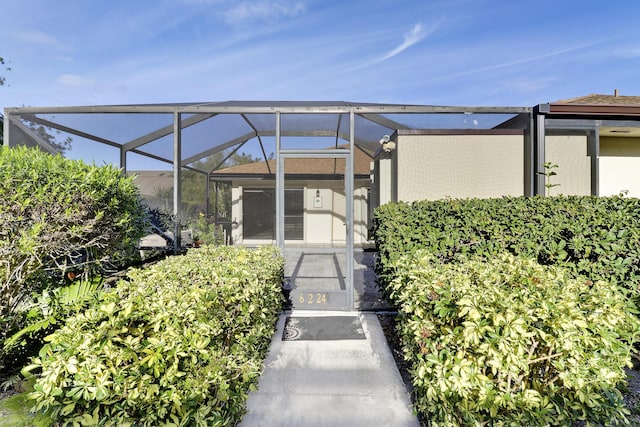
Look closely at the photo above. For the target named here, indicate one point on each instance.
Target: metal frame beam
(383, 121)
(350, 195)
(539, 155)
(264, 154)
(593, 144)
(270, 109)
(234, 151)
(239, 140)
(279, 188)
(177, 178)
(5, 131)
(72, 131)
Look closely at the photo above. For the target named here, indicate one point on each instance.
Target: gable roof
(321, 168)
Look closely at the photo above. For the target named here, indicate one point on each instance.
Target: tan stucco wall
(619, 166)
(383, 185)
(323, 224)
(573, 173)
(459, 166)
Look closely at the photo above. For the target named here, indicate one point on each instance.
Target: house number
(317, 298)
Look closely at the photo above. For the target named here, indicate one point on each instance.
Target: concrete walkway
(348, 383)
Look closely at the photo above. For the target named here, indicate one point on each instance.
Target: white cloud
(416, 34)
(248, 11)
(529, 84)
(75, 81)
(40, 38)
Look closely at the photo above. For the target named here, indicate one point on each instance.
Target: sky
(428, 52)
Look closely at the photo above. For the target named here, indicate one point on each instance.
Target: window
(294, 214)
(259, 212)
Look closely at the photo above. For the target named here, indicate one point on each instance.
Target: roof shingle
(599, 99)
(301, 166)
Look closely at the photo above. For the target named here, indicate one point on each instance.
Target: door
(319, 264)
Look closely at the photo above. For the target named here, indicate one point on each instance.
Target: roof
(207, 128)
(321, 168)
(599, 99)
(597, 105)
(149, 182)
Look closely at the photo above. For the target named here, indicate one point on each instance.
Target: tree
(194, 196)
(49, 135)
(61, 217)
(3, 80)
(194, 184)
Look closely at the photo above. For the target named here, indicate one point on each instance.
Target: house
(582, 146)
(314, 200)
(318, 198)
(595, 141)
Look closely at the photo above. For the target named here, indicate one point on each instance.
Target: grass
(15, 412)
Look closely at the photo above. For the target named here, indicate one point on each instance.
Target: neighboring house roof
(598, 99)
(598, 104)
(299, 167)
(149, 182)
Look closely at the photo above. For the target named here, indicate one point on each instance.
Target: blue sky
(434, 52)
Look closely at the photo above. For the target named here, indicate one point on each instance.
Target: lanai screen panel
(161, 147)
(214, 132)
(116, 127)
(368, 132)
(265, 124)
(458, 120)
(311, 131)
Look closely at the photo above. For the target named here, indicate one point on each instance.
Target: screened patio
(305, 181)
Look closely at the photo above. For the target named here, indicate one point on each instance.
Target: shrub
(60, 217)
(179, 343)
(43, 315)
(593, 236)
(506, 341)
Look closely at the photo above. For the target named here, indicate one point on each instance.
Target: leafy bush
(179, 343)
(60, 217)
(593, 236)
(509, 342)
(42, 316)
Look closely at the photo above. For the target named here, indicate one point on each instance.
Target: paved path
(343, 383)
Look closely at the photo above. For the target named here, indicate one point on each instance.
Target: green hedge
(592, 236)
(59, 217)
(507, 342)
(179, 343)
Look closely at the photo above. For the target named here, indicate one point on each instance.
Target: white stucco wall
(236, 214)
(318, 220)
(619, 166)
